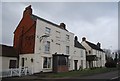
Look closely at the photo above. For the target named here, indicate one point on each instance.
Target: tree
(116, 57)
(108, 54)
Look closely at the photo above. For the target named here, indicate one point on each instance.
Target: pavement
(110, 76)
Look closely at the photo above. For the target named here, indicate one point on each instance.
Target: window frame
(58, 34)
(47, 30)
(67, 37)
(47, 47)
(47, 62)
(67, 49)
(81, 53)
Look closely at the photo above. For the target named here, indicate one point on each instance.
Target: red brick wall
(24, 35)
(63, 68)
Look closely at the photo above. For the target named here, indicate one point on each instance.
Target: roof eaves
(92, 45)
(34, 17)
(78, 45)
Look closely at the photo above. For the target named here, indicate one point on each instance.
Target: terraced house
(44, 46)
(8, 57)
(95, 56)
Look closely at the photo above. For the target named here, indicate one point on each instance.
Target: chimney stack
(27, 11)
(99, 45)
(76, 38)
(62, 25)
(83, 39)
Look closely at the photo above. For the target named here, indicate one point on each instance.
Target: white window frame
(47, 30)
(67, 37)
(81, 51)
(47, 47)
(48, 64)
(67, 49)
(58, 34)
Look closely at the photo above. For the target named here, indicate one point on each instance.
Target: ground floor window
(12, 64)
(47, 62)
(81, 64)
(62, 60)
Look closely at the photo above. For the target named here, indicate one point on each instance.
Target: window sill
(47, 68)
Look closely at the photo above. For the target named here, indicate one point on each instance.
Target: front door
(75, 64)
(22, 62)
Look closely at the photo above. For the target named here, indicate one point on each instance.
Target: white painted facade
(79, 54)
(58, 39)
(99, 54)
(58, 43)
(5, 62)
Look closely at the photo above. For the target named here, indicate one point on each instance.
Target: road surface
(110, 76)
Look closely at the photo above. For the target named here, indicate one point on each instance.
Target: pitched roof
(8, 51)
(78, 45)
(94, 46)
(34, 17)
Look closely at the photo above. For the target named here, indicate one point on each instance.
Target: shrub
(110, 64)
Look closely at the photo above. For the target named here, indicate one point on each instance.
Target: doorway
(75, 64)
(22, 62)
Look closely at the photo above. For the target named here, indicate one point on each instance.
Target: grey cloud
(96, 21)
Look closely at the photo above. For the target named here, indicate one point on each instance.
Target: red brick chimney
(24, 34)
(27, 11)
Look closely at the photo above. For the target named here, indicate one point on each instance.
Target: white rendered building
(44, 46)
(95, 56)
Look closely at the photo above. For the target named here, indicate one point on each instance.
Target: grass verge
(81, 73)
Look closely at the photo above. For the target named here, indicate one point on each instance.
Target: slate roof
(7, 51)
(34, 17)
(78, 45)
(94, 46)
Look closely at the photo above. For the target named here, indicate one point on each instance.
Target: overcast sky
(97, 21)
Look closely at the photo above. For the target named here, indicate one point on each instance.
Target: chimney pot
(76, 38)
(83, 39)
(98, 44)
(62, 25)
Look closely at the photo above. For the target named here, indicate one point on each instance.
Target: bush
(110, 64)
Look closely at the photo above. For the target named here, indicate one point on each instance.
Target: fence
(15, 72)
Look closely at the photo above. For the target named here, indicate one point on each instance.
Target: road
(110, 76)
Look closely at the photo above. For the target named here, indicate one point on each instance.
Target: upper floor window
(67, 37)
(58, 47)
(57, 34)
(67, 49)
(47, 46)
(89, 52)
(47, 30)
(81, 53)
